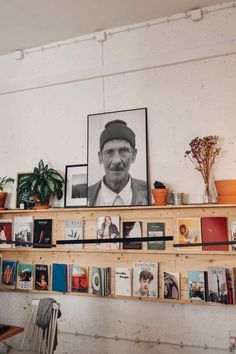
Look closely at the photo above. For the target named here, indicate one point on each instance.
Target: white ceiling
(26, 24)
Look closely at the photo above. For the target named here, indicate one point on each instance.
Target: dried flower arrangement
(202, 153)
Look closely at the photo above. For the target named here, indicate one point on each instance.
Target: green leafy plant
(4, 181)
(43, 182)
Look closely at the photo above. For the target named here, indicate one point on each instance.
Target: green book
(156, 229)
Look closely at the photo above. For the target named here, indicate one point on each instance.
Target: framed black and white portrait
(117, 158)
(76, 186)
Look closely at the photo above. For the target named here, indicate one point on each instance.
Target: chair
(33, 341)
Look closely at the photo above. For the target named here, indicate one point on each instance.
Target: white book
(233, 234)
(123, 281)
(23, 230)
(74, 230)
(145, 279)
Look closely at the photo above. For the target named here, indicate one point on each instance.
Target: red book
(214, 229)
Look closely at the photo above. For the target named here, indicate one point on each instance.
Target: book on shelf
(59, 277)
(100, 280)
(229, 272)
(108, 227)
(197, 285)
(9, 271)
(132, 229)
(214, 229)
(23, 230)
(145, 279)
(41, 281)
(233, 234)
(172, 285)
(42, 232)
(217, 285)
(123, 278)
(79, 279)
(189, 232)
(74, 230)
(24, 276)
(6, 232)
(156, 229)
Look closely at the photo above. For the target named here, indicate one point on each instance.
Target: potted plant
(3, 195)
(160, 193)
(43, 182)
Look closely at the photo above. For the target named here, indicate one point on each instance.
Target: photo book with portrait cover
(79, 279)
(74, 230)
(23, 231)
(108, 227)
(189, 232)
(156, 229)
(25, 274)
(197, 285)
(41, 281)
(171, 285)
(9, 271)
(42, 232)
(6, 233)
(145, 279)
(123, 281)
(132, 229)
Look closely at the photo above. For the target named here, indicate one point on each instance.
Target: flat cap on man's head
(117, 130)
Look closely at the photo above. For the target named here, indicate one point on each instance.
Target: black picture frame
(136, 124)
(76, 187)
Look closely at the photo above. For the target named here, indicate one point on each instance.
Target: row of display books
(189, 231)
(217, 284)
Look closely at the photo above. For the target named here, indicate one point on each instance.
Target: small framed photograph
(27, 198)
(76, 186)
(117, 158)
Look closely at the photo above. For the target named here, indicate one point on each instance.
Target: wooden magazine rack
(170, 260)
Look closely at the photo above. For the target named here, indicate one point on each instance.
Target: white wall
(184, 72)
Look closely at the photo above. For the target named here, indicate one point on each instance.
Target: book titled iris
(59, 277)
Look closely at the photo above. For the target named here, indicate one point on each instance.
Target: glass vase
(207, 198)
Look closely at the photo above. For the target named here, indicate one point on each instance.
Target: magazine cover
(79, 279)
(196, 286)
(25, 276)
(41, 277)
(74, 231)
(23, 230)
(217, 286)
(9, 269)
(145, 279)
(132, 229)
(108, 228)
(214, 229)
(42, 232)
(189, 231)
(233, 234)
(96, 280)
(123, 282)
(155, 229)
(6, 233)
(171, 285)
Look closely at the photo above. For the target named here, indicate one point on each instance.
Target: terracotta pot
(160, 196)
(41, 206)
(3, 197)
(226, 191)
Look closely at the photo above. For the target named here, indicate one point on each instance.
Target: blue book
(59, 277)
(8, 276)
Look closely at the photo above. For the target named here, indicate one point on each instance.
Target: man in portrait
(117, 152)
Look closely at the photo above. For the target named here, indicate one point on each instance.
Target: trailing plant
(43, 182)
(4, 181)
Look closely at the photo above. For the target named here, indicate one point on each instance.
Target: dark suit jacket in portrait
(139, 192)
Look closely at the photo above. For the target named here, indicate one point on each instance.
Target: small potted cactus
(160, 193)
